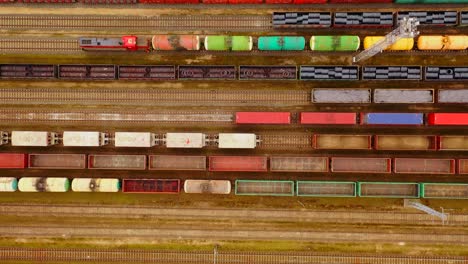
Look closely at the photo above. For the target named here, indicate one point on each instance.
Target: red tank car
(129, 43)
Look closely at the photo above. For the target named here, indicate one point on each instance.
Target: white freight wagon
(85, 139)
(33, 138)
(134, 139)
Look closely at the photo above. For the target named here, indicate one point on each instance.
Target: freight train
(354, 19)
(243, 72)
(241, 187)
(298, 2)
(268, 43)
(231, 140)
(310, 164)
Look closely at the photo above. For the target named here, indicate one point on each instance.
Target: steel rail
(151, 97)
(216, 256)
(137, 23)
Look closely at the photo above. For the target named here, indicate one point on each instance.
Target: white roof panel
(237, 140)
(185, 140)
(29, 138)
(133, 139)
(81, 139)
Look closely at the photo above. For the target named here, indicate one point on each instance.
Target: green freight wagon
(269, 188)
(326, 189)
(389, 189)
(444, 190)
(223, 43)
(334, 43)
(431, 1)
(281, 43)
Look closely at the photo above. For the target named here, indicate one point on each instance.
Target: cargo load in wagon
(448, 119)
(207, 186)
(134, 139)
(185, 140)
(33, 138)
(405, 142)
(453, 142)
(43, 184)
(327, 118)
(117, 162)
(388, 189)
(238, 163)
(324, 141)
(175, 162)
(424, 166)
(444, 190)
(57, 161)
(151, 186)
(361, 165)
(346, 96)
(8, 184)
(453, 96)
(95, 185)
(463, 166)
(326, 189)
(85, 139)
(237, 140)
(263, 118)
(13, 160)
(404, 96)
(298, 164)
(392, 118)
(268, 188)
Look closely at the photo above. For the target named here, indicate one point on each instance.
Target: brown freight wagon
(361, 165)
(424, 166)
(238, 163)
(405, 142)
(299, 164)
(117, 162)
(453, 142)
(151, 186)
(463, 166)
(174, 162)
(57, 161)
(324, 141)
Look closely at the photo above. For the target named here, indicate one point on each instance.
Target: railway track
(137, 23)
(99, 117)
(39, 45)
(171, 97)
(298, 141)
(208, 257)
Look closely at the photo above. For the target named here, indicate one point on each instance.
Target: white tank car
(8, 184)
(207, 186)
(95, 185)
(43, 184)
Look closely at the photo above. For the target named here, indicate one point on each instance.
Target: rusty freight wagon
(57, 161)
(298, 164)
(117, 162)
(13, 160)
(175, 162)
(238, 163)
(171, 186)
(424, 166)
(328, 141)
(361, 165)
(404, 142)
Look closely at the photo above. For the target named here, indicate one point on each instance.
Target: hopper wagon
(207, 186)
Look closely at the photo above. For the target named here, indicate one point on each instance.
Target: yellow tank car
(402, 44)
(437, 42)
